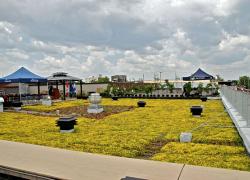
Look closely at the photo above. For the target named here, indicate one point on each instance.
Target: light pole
(160, 77)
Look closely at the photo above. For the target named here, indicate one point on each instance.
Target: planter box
(203, 98)
(115, 98)
(196, 110)
(85, 97)
(17, 105)
(66, 124)
(141, 103)
(82, 97)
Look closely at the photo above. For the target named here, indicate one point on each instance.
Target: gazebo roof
(22, 75)
(62, 76)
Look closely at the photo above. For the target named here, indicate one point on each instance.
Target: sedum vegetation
(55, 106)
(150, 133)
(221, 156)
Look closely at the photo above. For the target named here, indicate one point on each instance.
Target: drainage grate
(132, 178)
(10, 177)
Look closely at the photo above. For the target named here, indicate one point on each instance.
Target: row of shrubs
(151, 96)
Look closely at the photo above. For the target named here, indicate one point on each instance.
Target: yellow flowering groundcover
(55, 106)
(136, 133)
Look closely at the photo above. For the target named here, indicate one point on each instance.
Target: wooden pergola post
(81, 87)
(38, 89)
(64, 91)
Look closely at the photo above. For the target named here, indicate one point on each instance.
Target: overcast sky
(133, 37)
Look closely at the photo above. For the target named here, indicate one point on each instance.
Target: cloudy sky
(133, 37)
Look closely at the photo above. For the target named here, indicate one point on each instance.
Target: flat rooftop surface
(65, 164)
(125, 130)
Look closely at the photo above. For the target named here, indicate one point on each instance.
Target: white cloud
(6, 27)
(224, 7)
(130, 37)
(17, 55)
(230, 42)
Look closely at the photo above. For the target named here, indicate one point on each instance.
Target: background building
(119, 78)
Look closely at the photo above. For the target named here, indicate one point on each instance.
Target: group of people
(70, 91)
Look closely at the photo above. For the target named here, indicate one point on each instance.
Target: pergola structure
(61, 78)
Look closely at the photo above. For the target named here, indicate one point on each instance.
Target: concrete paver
(65, 164)
(78, 165)
(204, 173)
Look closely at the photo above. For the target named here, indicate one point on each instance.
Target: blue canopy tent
(199, 75)
(23, 75)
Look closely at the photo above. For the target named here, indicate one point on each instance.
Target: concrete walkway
(39, 162)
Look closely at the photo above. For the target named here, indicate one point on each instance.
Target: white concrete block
(95, 111)
(46, 102)
(1, 107)
(185, 137)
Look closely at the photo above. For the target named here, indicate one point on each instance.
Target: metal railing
(240, 101)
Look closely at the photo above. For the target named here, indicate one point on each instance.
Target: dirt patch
(154, 147)
(82, 111)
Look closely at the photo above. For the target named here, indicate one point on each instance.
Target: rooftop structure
(199, 75)
(119, 78)
(62, 78)
(22, 75)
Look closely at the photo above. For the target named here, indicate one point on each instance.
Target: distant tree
(244, 81)
(219, 78)
(200, 88)
(103, 79)
(163, 86)
(157, 86)
(115, 91)
(216, 89)
(136, 89)
(187, 88)
(208, 87)
(170, 86)
(108, 90)
(148, 89)
(93, 81)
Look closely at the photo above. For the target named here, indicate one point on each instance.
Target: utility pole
(160, 77)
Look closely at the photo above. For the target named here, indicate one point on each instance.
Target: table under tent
(15, 87)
